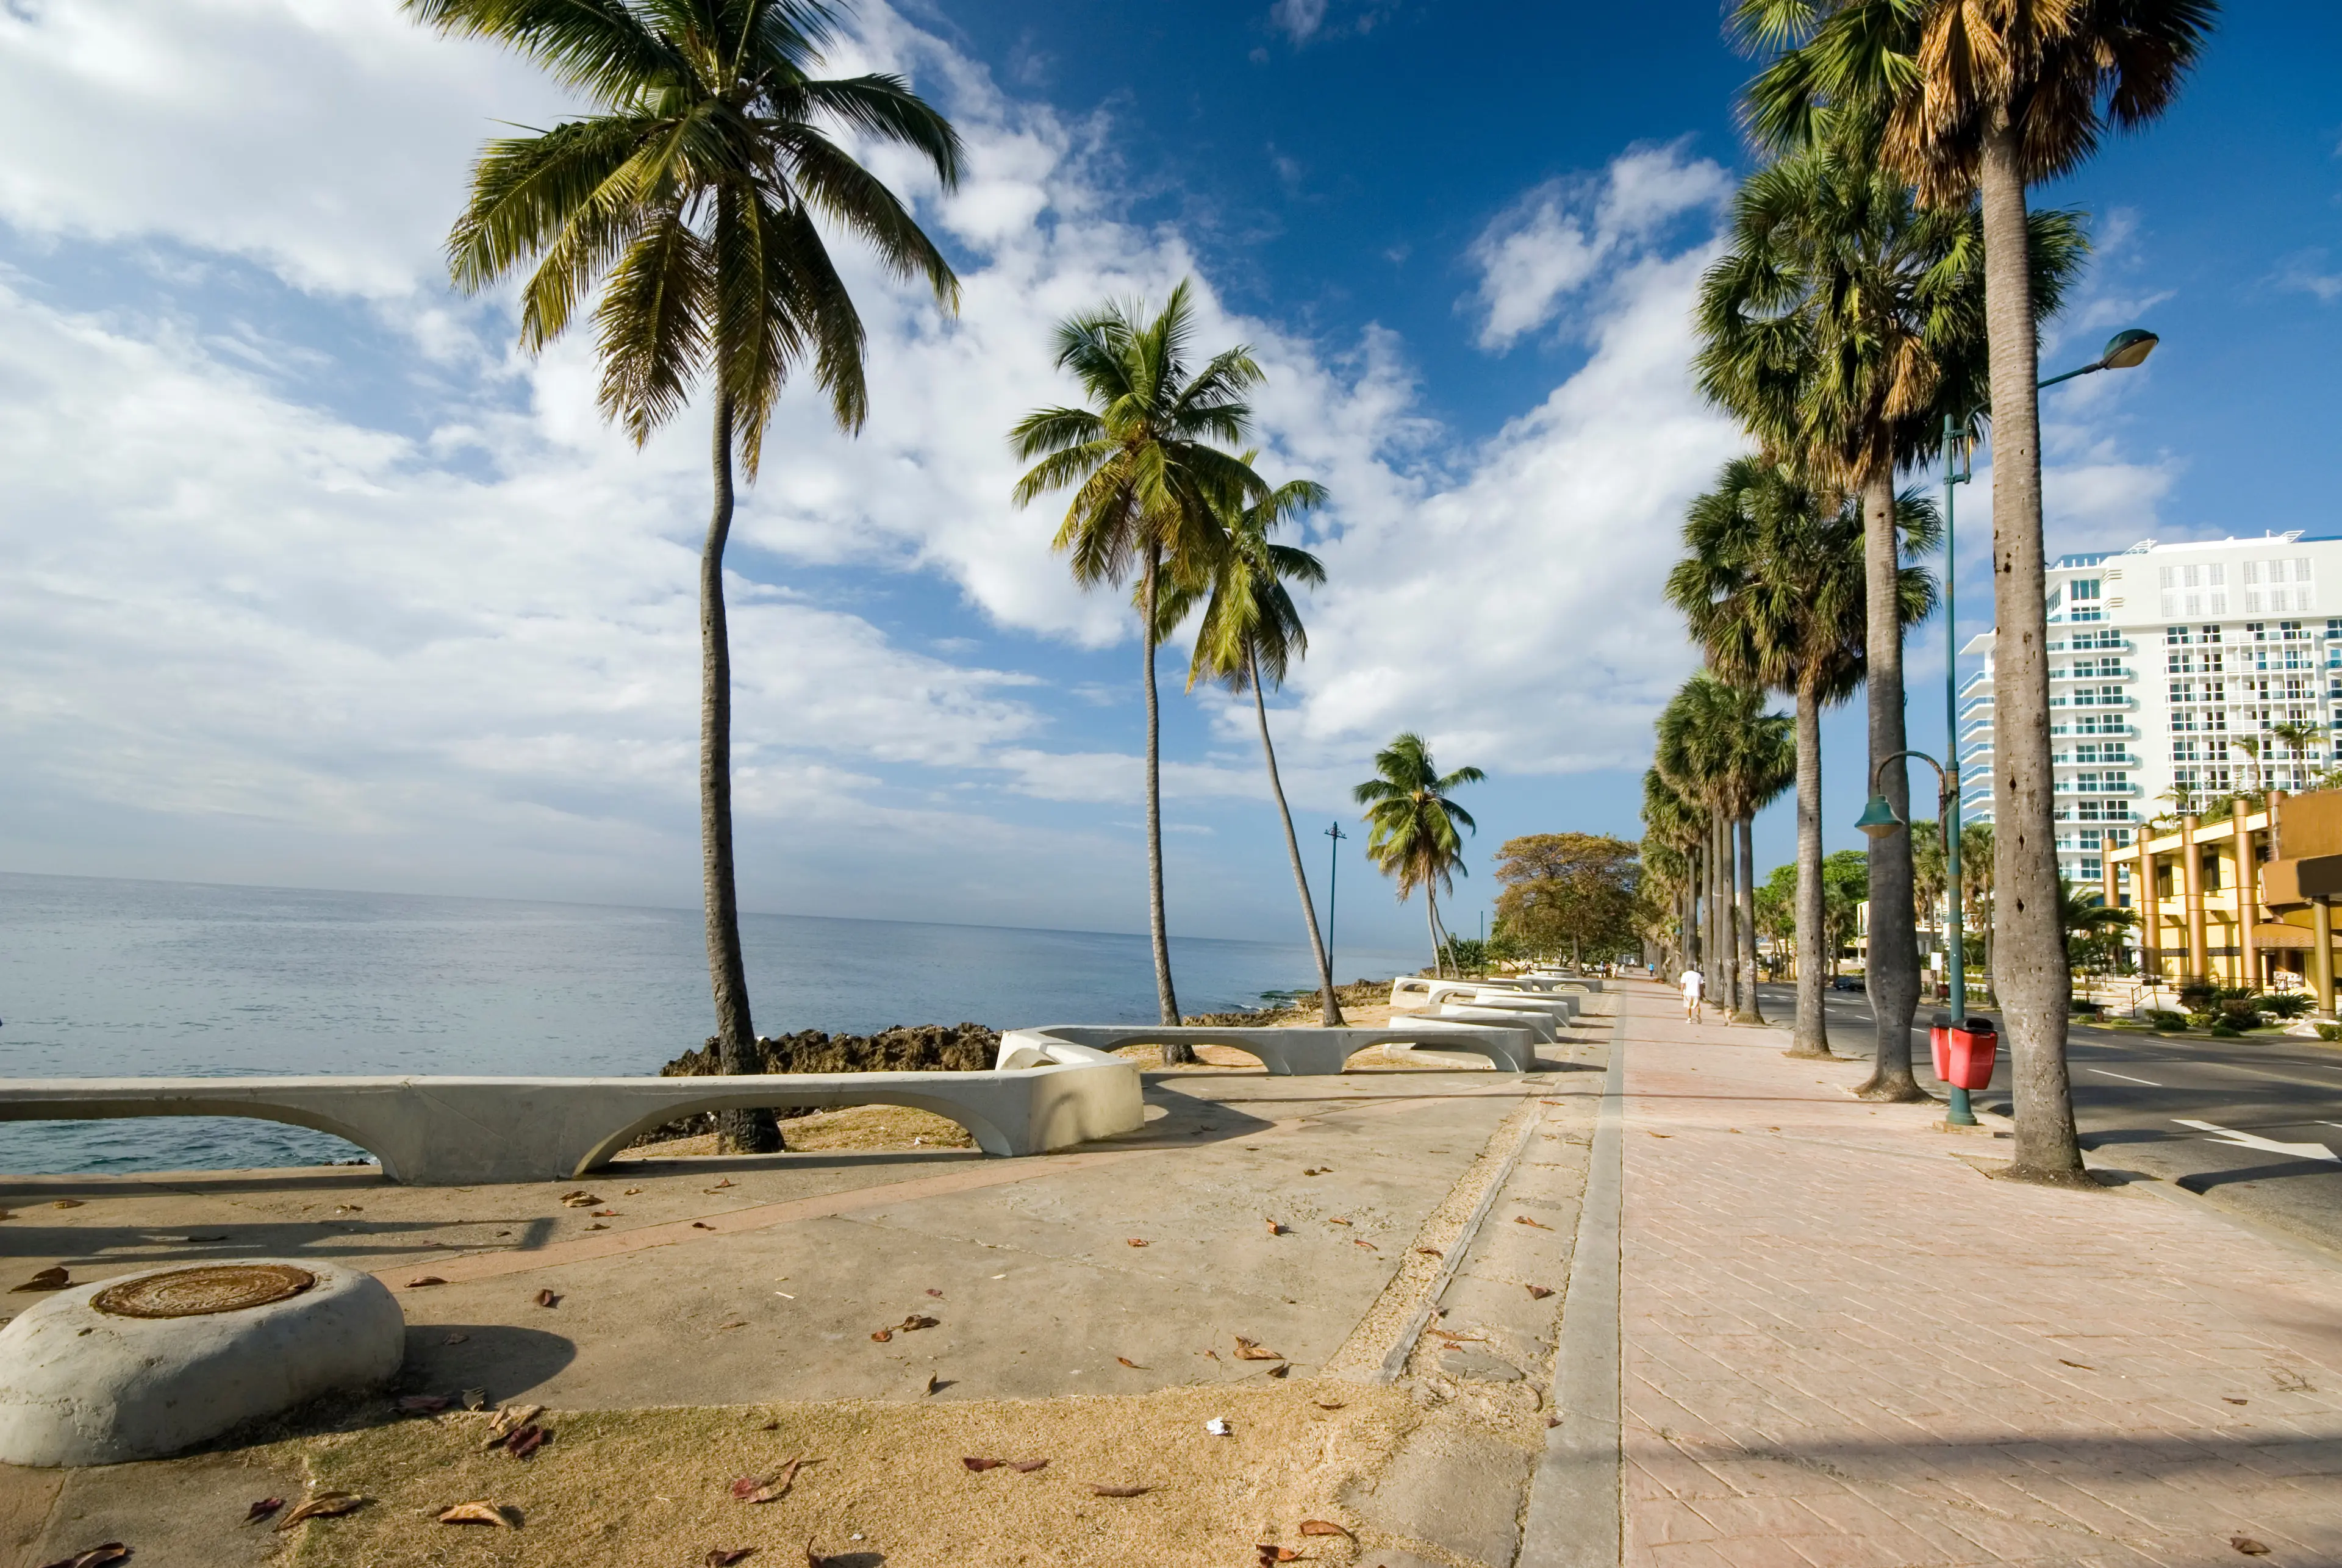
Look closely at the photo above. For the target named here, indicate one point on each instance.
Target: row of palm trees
(1880, 293)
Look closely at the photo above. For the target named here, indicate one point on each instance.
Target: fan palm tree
(1843, 325)
(694, 197)
(1248, 637)
(2299, 738)
(1145, 472)
(1974, 100)
(1773, 587)
(1413, 824)
(1672, 830)
(1717, 744)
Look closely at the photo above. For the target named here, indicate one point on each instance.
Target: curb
(1573, 1519)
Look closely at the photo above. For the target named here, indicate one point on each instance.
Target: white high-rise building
(2162, 659)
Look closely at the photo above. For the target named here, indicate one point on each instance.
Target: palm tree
(1672, 829)
(1974, 103)
(1413, 824)
(1843, 325)
(1145, 474)
(1976, 899)
(1249, 635)
(1773, 587)
(1717, 745)
(2251, 745)
(2299, 738)
(694, 199)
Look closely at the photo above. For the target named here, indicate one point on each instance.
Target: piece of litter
(785, 1295)
(1218, 1427)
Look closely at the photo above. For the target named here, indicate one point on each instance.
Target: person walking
(1692, 986)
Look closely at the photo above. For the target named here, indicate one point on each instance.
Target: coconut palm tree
(1843, 325)
(1974, 100)
(1413, 824)
(1248, 637)
(1145, 472)
(1717, 745)
(2299, 738)
(1773, 587)
(694, 197)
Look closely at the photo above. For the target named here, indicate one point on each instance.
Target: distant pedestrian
(1693, 985)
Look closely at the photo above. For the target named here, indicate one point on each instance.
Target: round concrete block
(148, 1364)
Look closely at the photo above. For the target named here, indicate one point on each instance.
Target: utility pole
(1333, 870)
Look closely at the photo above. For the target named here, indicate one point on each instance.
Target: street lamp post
(1879, 821)
(1333, 870)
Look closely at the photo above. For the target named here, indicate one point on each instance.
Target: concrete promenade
(1845, 1346)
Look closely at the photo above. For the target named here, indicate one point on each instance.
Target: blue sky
(309, 579)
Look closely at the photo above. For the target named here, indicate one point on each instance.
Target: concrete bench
(456, 1132)
(1413, 993)
(1305, 1050)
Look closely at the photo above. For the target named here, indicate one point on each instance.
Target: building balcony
(2066, 725)
(2102, 673)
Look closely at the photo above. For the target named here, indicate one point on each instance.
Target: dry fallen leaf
(1135, 1367)
(2243, 1543)
(525, 1442)
(476, 1399)
(631, 1192)
(425, 1403)
(605, 1214)
(768, 1488)
(1337, 1222)
(701, 1225)
(717, 1557)
(1539, 1293)
(736, 1322)
(597, 1225)
(770, 1426)
(1663, 1134)
(263, 1509)
(1324, 1527)
(2063, 1362)
(95, 1557)
(1279, 1370)
(457, 1338)
(1323, 1405)
(1274, 1555)
(982, 1464)
(721, 1184)
(507, 1420)
(47, 1280)
(546, 1298)
(937, 1293)
(323, 1505)
(914, 1322)
(1431, 1252)
(882, 1336)
(580, 1199)
(1250, 1350)
(2232, 1400)
(66, 1204)
(477, 1514)
(419, 1280)
(1027, 1466)
(1097, 1490)
(815, 1559)
(1132, 1242)
(1525, 1220)
(1362, 1242)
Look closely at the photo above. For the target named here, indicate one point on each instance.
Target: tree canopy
(1570, 891)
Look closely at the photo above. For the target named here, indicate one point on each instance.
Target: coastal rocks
(149, 1364)
(922, 1048)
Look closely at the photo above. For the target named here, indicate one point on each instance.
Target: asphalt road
(2135, 1096)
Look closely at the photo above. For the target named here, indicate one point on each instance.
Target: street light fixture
(1879, 821)
(2126, 350)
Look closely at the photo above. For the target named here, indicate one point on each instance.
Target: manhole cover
(197, 1292)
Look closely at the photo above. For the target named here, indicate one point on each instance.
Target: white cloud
(476, 646)
(1552, 240)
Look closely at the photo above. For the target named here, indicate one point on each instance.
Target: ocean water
(104, 978)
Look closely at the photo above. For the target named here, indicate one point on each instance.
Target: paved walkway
(1843, 1345)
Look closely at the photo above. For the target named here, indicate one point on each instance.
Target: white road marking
(2237, 1140)
(2126, 1077)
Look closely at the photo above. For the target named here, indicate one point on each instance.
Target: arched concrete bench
(1303, 1050)
(1543, 1028)
(1413, 993)
(452, 1132)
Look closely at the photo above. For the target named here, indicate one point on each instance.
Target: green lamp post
(1879, 820)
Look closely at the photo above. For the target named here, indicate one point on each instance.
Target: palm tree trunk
(1330, 1008)
(752, 1132)
(1431, 919)
(2035, 991)
(1751, 1010)
(1175, 1052)
(1719, 905)
(1894, 967)
(1811, 1035)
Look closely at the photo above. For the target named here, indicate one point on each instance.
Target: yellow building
(2242, 900)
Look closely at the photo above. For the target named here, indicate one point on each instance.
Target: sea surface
(105, 978)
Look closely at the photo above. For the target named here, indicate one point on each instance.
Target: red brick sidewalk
(1843, 1345)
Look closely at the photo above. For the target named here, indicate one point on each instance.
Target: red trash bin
(1939, 1028)
(1969, 1053)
